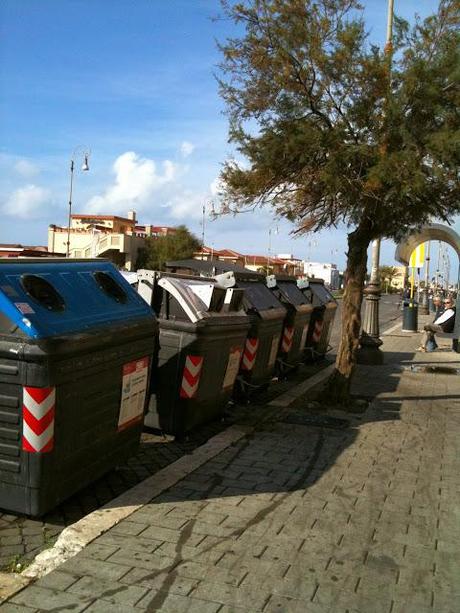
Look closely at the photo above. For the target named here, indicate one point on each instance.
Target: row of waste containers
(86, 360)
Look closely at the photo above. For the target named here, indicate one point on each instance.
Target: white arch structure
(431, 232)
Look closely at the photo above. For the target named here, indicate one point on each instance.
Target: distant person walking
(444, 323)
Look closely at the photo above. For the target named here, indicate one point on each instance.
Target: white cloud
(27, 202)
(187, 148)
(186, 205)
(136, 182)
(26, 169)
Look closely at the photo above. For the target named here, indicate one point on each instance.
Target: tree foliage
(179, 245)
(331, 135)
(387, 274)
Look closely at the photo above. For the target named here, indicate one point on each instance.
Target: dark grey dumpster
(299, 311)
(266, 316)
(322, 319)
(201, 344)
(76, 347)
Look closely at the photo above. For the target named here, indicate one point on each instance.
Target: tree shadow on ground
(280, 457)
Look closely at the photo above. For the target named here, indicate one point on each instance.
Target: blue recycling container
(77, 346)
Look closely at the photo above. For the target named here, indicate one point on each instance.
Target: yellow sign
(417, 258)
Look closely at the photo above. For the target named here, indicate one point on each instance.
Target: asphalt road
(389, 311)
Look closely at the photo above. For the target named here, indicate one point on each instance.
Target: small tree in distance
(176, 246)
(329, 138)
(387, 274)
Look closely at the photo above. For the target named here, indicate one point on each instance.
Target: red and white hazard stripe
(250, 352)
(191, 376)
(317, 330)
(38, 408)
(286, 343)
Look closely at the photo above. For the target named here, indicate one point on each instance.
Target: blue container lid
(54, 297)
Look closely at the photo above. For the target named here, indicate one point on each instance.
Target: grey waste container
(266, 315)
(201, 344)
(323, 316)
(76, 348)
(299, 312)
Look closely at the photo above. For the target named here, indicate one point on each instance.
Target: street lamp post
(424, 303)
(370, 340)
(85, 168)
(203, 217)
(270, 247)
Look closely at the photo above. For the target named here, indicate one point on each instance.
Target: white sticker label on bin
(133, 391)
(233, 366)
(24, 308)
(274, 350)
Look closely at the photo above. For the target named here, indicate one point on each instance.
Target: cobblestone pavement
(297, 518)
(22, 538)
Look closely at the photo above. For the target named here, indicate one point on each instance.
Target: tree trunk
(339, 384)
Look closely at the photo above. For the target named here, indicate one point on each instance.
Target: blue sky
(133, 81)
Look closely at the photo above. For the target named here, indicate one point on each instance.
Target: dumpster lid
(199, 299)
(259, 296)
(49, 297)
(320, 291)
(215, 267)
(291, 292)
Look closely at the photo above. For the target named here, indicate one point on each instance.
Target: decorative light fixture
(84, 168)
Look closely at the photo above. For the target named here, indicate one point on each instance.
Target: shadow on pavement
(23, 537)
(266, 485)
(280, 458)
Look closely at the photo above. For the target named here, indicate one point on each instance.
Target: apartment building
(111, 236)
(326, 271)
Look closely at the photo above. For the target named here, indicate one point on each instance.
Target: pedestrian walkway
(298, 518)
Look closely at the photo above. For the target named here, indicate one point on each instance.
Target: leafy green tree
(177, 246)
(331, 136)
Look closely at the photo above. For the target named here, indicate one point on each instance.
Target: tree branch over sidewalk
(331, 139)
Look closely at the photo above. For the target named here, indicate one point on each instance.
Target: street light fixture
(270, 247)
(84, 168)
(370, 340)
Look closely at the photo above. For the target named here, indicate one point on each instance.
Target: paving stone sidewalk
(22, 538)
(298, 518)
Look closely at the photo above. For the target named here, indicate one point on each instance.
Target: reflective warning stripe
(191, 376)
(317, 330)
(250, 352)
(288, 335)
(38, 409)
